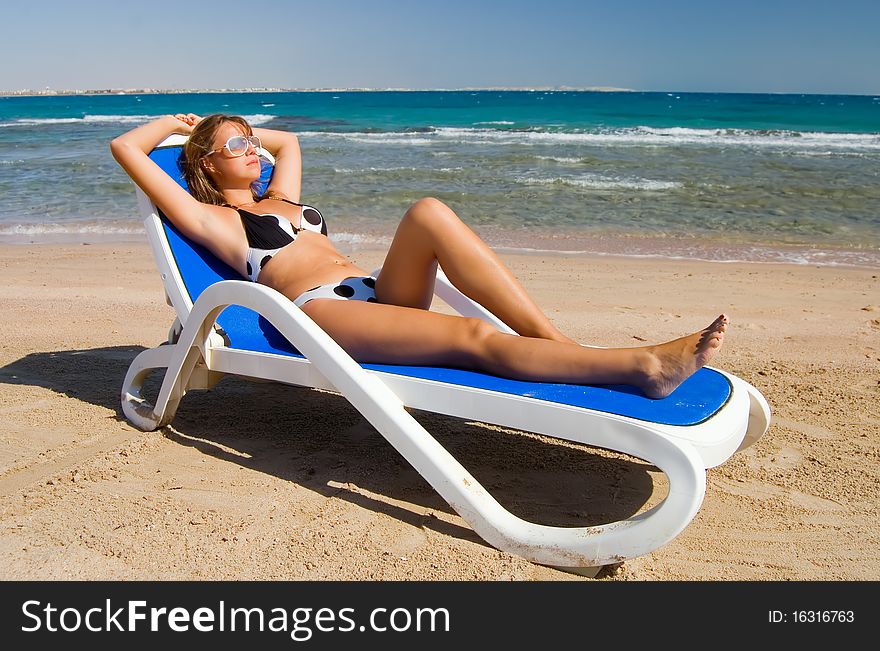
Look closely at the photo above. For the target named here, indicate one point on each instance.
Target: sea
(764, 178)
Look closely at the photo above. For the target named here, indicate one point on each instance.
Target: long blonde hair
(200, 143)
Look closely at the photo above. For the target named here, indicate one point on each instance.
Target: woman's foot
(672, 363)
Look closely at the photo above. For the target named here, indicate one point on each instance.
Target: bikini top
(267, 234)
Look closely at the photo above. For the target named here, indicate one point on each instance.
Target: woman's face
(231, 171)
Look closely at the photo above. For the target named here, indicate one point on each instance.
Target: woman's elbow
(122, 150)
(117, 146)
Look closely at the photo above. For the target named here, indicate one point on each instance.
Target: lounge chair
(227, 325)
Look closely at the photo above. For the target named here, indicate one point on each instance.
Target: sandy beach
(262, 481)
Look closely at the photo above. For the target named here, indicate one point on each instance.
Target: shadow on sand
(318, 440)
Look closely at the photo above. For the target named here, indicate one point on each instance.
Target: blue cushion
(697, 399)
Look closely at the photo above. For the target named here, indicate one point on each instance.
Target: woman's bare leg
(380, 333)
(431, 232)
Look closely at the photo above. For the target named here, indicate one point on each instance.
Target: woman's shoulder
(278, 196)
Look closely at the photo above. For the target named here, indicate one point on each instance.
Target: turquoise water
(781, 178)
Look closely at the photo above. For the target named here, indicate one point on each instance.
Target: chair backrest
(201, 267)
(188, 268)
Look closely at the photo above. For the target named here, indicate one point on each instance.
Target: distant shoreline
(50, 92)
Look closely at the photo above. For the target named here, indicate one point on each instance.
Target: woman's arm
(287, 176)
(130, 151)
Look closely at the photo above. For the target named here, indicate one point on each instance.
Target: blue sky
(685, 45)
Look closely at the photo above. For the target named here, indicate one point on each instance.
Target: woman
(281, 243)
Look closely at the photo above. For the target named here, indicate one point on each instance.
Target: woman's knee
(475, 338)
(429, 211)
(428, 204)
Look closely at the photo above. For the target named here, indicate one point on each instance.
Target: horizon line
(48, 91)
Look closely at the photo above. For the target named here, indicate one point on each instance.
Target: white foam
(258, 118)
(385, 137)
(69, 229)
(119, 119)
(836, 154)
(363, 170)
(599, 182)
(390, 139)
(86, 119)
(753, 138)
(560, 159)
(27, 122)
(70, 232)
(635, 136)
(357, 239)
(750, 255)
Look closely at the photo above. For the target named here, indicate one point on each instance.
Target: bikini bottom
(358, 288)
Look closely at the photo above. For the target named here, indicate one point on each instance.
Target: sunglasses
(238, 145)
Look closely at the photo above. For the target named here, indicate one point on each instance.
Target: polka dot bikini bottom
(359, 288)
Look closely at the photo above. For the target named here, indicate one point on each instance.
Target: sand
(262, 481)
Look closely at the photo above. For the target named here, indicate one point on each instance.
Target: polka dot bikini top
(268, 234)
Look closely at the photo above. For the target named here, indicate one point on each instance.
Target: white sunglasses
(238, 145)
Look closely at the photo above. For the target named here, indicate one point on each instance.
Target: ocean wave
(259, 118)
(428, 136)
(364, 170)
(355, 240)
(560, 159)
(760, 137)
(367, 170)
(631, 136)
(398, 139)
(835, 154)
(118, 231)
(641, 136)
(27, 122)
(119, 119)
(710, 251)
(69, 229)
(719, 254)
(86, 119)
(498, 122)
(598, 182)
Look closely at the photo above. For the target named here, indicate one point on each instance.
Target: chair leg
(759, 417)
(140, 412)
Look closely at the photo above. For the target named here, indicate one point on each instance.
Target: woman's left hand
(190, 119)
